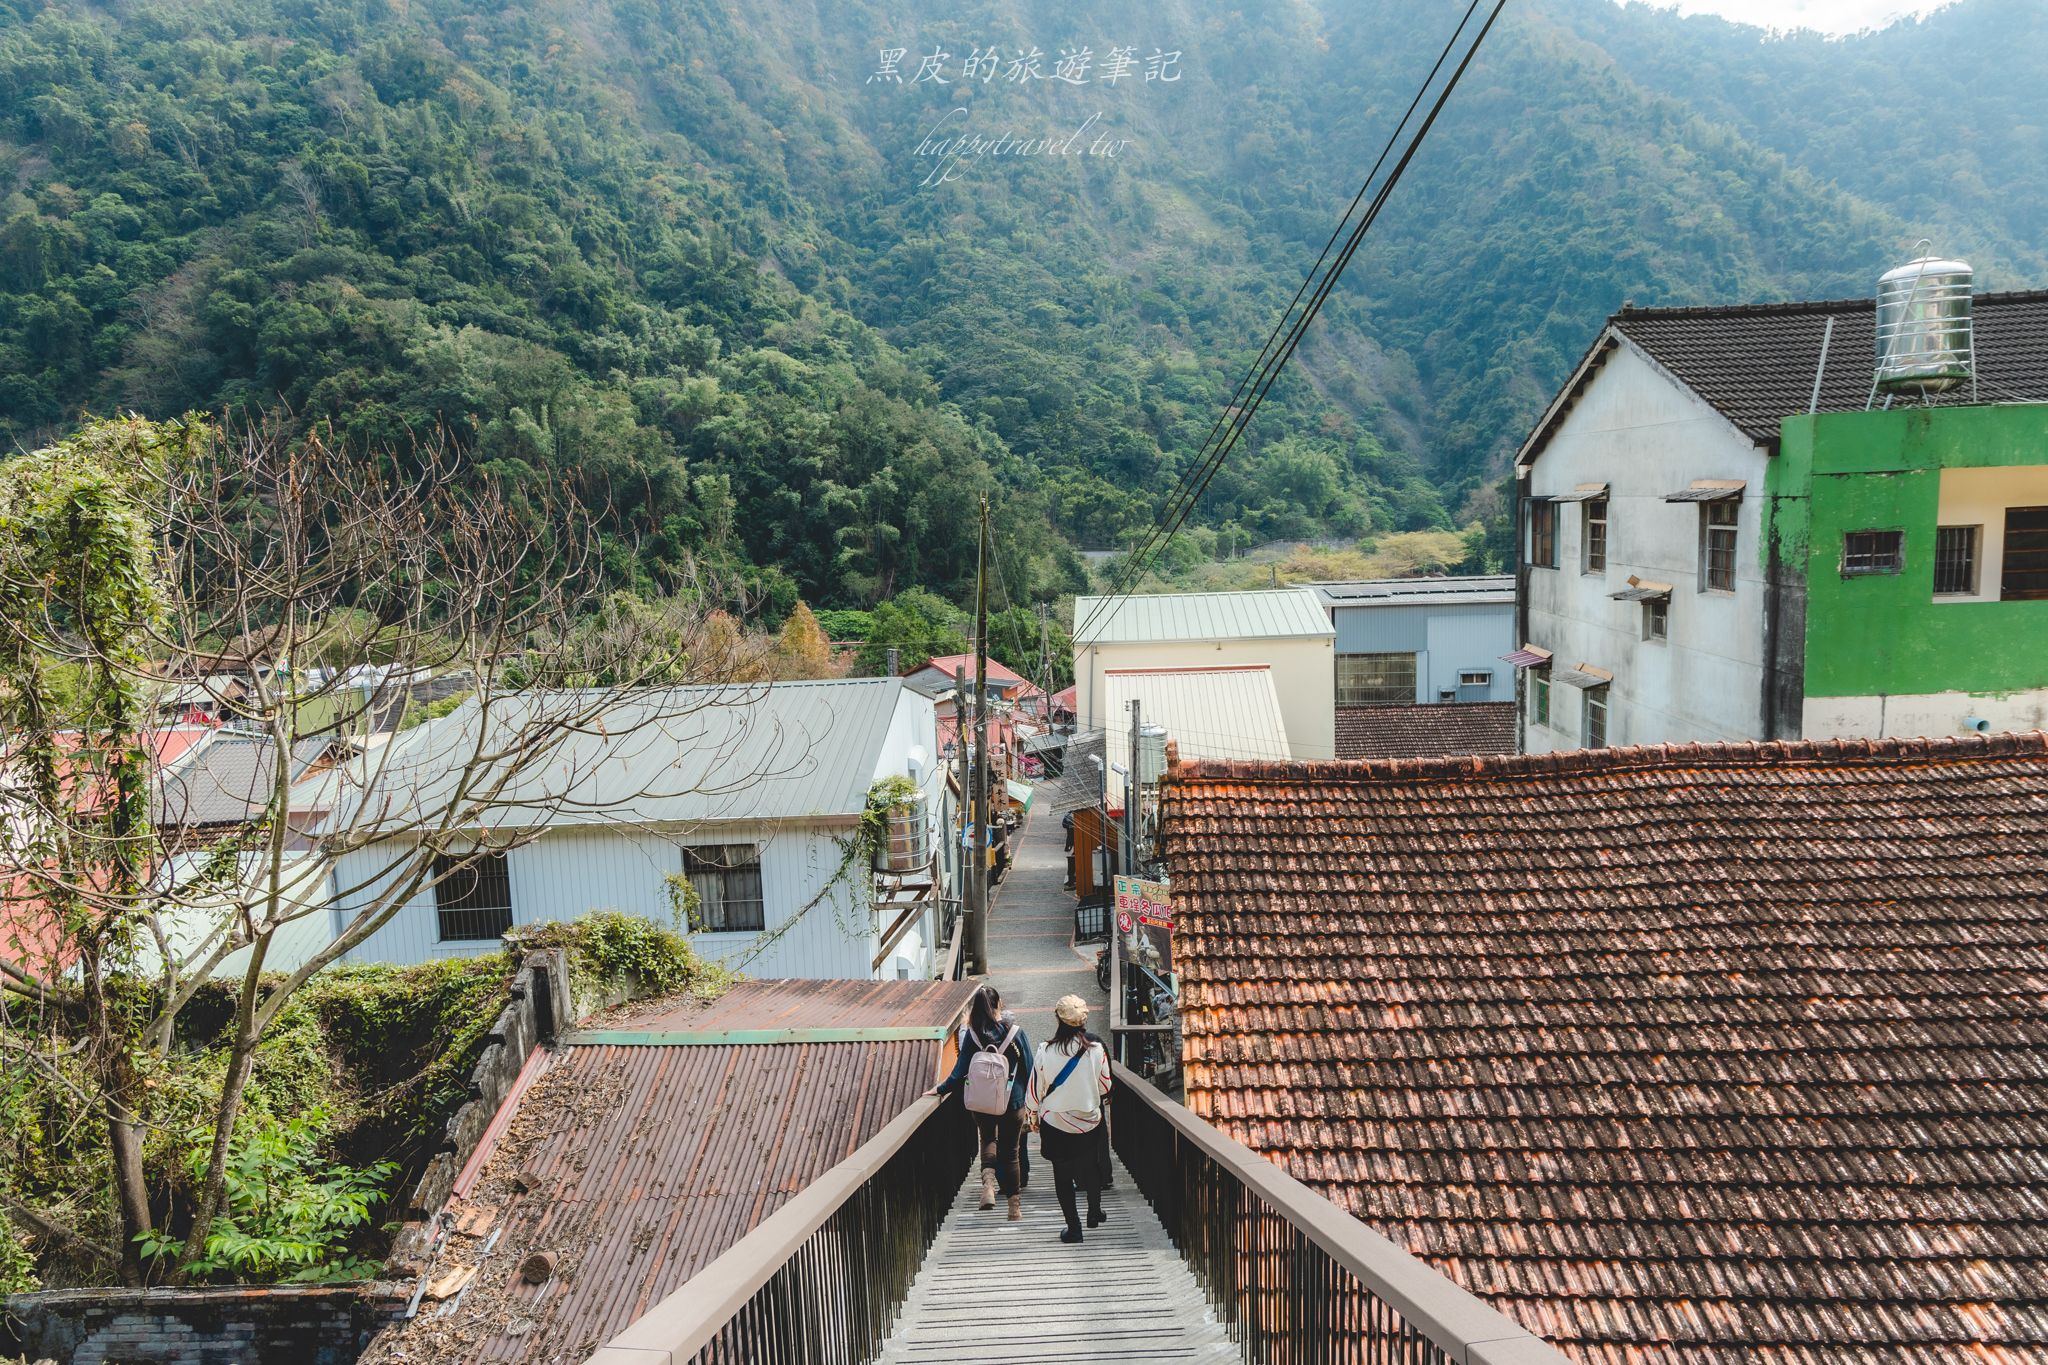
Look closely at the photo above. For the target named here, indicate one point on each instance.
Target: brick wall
(305, 1325)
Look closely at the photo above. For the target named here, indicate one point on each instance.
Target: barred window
(1955, 560)
(1717, 545)
(727, 879)
(1657, 618)
(1596, 718)
(1375, 679)
(1543, 535)
(474, 901)
(1595, 537)
(1872, 552)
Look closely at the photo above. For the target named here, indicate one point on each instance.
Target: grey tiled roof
(226, 780)
(1755, 363)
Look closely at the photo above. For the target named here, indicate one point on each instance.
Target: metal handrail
(822, 1279)
(1297, 1279)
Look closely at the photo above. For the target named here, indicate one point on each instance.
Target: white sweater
(1076, 1107)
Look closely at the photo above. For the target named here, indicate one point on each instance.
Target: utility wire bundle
(1286, 335)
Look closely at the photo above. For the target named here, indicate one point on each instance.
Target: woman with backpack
(993, 1075)
(1069, 1080)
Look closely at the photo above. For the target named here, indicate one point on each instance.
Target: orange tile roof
(1686, 1055)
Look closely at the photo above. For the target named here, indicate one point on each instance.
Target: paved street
(1031, 931)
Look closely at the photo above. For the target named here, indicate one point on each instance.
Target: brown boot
(988, 1188)
(1016, 1208)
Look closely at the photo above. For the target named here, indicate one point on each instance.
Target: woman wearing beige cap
(1068, 1083)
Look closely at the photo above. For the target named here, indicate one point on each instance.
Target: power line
(1266, 351)
(1236, 418)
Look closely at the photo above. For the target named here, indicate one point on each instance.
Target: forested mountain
(688, 255)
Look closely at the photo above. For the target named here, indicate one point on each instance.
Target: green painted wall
(1884, 634)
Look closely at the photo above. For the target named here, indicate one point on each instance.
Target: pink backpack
(989, 1077)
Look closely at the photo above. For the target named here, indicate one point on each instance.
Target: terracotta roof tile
(1691, 1054)
(1422, 731)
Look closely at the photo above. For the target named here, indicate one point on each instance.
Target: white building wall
(1645, 435)
(569, 872)
(1914, 716)
(1304, 679)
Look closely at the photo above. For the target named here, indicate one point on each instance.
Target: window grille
(1596, 535)
(1543, 535)
(1872, 552)
(1955, 559)
(1717, 545)
(727, 879)
(1375, 679)
(472, 902)
(2025, 571)
(1539, 696)
(1657, 618)
(1596, 718)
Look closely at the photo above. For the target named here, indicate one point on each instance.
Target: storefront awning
(1021, 793)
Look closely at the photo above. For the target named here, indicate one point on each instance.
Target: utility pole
(960, 838)
(1045, 663)
(977, 904)
(1131, 800)
(892, 661)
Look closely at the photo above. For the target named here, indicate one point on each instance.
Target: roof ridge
(1629, 312)
(1569, 762)
(1199, 592)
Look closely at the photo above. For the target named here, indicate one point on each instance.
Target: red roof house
(1693, 1055)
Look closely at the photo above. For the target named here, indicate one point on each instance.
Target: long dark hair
(1071, 1038)
(985, 1011)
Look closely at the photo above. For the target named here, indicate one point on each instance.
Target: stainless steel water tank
(908, 847)
(1151, 754)
(1923, 326)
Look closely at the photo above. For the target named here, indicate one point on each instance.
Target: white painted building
(1286, 630)
(1634, 436)
(746, 792)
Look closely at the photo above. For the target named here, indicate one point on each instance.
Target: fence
(1298, 1280)
(822, 1279)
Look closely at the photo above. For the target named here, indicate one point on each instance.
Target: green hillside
(681, 255)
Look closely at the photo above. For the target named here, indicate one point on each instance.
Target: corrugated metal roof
(645, 1163)
(761, 751)
(1266, 614)
(1230, 712)
(806, 1004)
(1408, 592)
(226, 780)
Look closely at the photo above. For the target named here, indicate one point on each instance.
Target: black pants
(1068, 1176)
(1079, 1161)
(997, 1136)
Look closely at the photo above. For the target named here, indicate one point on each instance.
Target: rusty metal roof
(763, 1005)
(635, 1163)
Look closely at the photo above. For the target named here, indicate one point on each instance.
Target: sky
(1829, 16)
